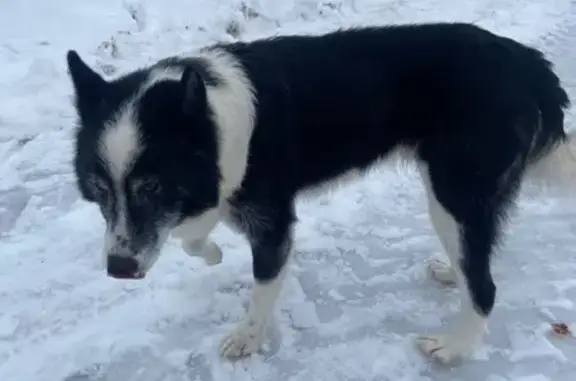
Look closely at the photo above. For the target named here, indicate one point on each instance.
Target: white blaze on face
(120, 144)
(119, 147)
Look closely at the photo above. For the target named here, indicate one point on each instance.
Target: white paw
(442, 272)
(441, 348)
(244, 341)
(207, 250)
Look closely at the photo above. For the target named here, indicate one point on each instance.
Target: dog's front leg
(271, 244)
(205, 249)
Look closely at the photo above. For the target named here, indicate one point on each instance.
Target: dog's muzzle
(123, 267)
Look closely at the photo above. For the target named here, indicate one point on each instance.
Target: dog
(235, 132)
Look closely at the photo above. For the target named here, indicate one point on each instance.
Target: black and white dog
(237, 131)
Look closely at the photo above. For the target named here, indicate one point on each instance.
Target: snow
(358, 293)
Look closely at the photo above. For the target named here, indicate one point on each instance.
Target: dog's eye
(146, 186)
(99, 189)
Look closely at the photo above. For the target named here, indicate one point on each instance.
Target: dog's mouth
(134, 265)
(136, 276)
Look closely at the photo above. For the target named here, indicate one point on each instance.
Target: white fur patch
(120, 143)
(198, 227)
(205, 249)
(233, 104)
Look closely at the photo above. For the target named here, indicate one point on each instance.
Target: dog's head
(146, 154)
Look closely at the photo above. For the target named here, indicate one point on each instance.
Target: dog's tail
(552, 162)
(557, 166)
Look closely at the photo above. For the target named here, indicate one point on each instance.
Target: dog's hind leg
(465, 210)
(443, 225)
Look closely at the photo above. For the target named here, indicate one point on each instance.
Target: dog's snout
(122, 267)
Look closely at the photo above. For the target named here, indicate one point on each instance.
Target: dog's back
(335, 103)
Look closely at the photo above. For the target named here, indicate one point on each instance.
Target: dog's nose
(122, 267)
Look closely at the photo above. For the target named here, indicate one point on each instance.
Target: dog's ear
(193, 90)
(88, 84)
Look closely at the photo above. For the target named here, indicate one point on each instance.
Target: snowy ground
(359, 291)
